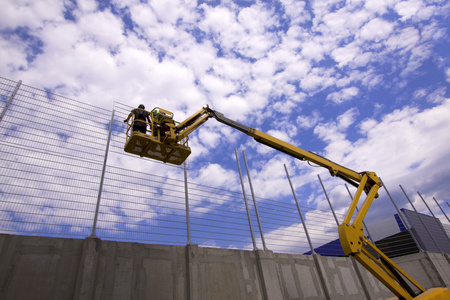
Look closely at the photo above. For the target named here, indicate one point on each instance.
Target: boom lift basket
(154, 145)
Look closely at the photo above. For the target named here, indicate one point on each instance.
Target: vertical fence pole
(328, 199)
(440, 207)
(436, 219)
(186, 194)
(246, 203)
(254, 202)
(94, 225)
(10, 99)
(426, 204)
(400, 215)
(420, 218)
(300, 212)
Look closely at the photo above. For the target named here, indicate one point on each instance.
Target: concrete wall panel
(38, 268)
(299, 277)
(423, 269)
(223, 274)
(139, 271)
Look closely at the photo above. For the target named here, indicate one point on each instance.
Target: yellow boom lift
(167, 141)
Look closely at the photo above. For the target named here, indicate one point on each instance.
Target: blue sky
(363, 83)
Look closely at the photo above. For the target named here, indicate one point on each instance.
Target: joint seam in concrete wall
(321, 275)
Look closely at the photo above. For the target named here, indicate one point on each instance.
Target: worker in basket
(140, 118)
(160, 119)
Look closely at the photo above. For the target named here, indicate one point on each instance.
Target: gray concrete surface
(55, 268)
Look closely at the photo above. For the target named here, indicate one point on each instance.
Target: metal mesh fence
(50, 164)
(56, 167)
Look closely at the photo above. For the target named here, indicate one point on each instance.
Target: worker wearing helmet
(140, 118)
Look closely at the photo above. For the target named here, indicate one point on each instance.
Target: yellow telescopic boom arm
(351, 233)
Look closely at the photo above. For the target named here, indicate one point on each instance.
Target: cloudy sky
(363, 83)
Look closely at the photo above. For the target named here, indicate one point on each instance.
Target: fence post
(246, 203)
(328, 199)
(441, 209)
(94, 225)
(188, 222)
(10, 99)
(420, 218)
(254, 203)
(299, 211)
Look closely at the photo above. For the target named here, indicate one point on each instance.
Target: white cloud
(243, 32)
(379, 6)
(309, 121)
(263, 68)
(103, 28)
(87, 6)
(255, 19)
(209, 137)
(297, 69)
(282, 135)
(345, 55)
(216, 175)
(377, 30)
(269, 179)
(233, 107)
(170, 11)
(412, 146)
(334, 134)
(143, 15)
(418, 55)
(217, 20)
(195, 56)
(14, 55)
(217, 86)
(317, 79)
(176, 83)
(437, 96)
(343, 95)
(406, 39)
(231, 69)
(32, 14)
(407, 9)
(312, 50)
(295, 10)
(256, 46)
(347, 118)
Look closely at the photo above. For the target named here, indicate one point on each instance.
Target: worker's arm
(129, 116)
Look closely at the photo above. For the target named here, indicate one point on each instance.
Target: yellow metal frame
(154, 145)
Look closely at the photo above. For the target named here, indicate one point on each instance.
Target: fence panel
(52, 154)
(52, 148)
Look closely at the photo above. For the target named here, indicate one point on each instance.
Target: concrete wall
(54, 268)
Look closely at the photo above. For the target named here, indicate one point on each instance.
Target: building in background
(392, 237)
